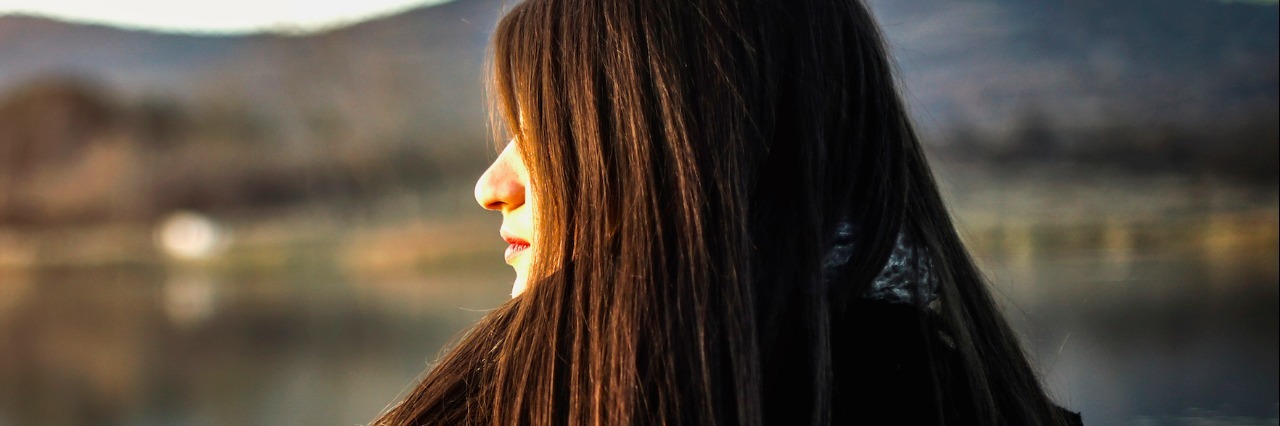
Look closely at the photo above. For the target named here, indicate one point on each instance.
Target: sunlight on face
(505, 188)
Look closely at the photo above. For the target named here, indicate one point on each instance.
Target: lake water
(1138, 311)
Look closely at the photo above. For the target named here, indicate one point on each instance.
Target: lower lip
(515, 250)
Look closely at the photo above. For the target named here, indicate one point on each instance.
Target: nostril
(502, 186)
(495, 191)
(485, 196)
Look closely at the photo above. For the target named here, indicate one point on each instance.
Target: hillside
(165, 121)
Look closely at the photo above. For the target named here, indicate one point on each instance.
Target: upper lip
(512, 239)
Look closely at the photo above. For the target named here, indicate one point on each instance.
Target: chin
(518, 286)
(521, 267)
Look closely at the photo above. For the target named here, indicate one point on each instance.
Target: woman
(719, 213)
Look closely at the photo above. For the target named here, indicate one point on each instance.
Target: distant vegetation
(140, 123)
(72, 152)
(1243, 148)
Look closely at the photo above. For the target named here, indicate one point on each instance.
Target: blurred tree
(46, 130)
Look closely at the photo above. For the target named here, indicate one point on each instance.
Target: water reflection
(152, 345)
(1140, 308)
(189, 297)
(1137, 315)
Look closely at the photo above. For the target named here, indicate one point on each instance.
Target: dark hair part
(691, 161)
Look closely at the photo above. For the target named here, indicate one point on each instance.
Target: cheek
(526, 219)
(528, 214)
(531, 216)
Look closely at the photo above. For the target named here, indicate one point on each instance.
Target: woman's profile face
(505, 188)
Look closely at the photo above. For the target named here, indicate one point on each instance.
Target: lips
(515, 247)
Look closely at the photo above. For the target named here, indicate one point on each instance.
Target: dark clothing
(882, 368)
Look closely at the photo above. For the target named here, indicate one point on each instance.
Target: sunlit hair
(692, 160)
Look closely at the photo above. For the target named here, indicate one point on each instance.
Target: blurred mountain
(978, 62)
(1083, 63)
(420, 68)
(1182, 86)
(31, 46)
(161, 121)
(99, 123)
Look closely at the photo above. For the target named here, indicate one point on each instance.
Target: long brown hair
(691, 160)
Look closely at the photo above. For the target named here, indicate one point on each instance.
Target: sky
(213, 16)
(229, 16)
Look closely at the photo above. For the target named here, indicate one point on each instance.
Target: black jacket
(882, 369)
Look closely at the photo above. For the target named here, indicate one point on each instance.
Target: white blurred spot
(189, 235)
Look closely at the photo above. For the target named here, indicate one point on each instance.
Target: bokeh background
(275, 226)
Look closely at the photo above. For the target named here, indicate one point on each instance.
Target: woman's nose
(501, 187)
